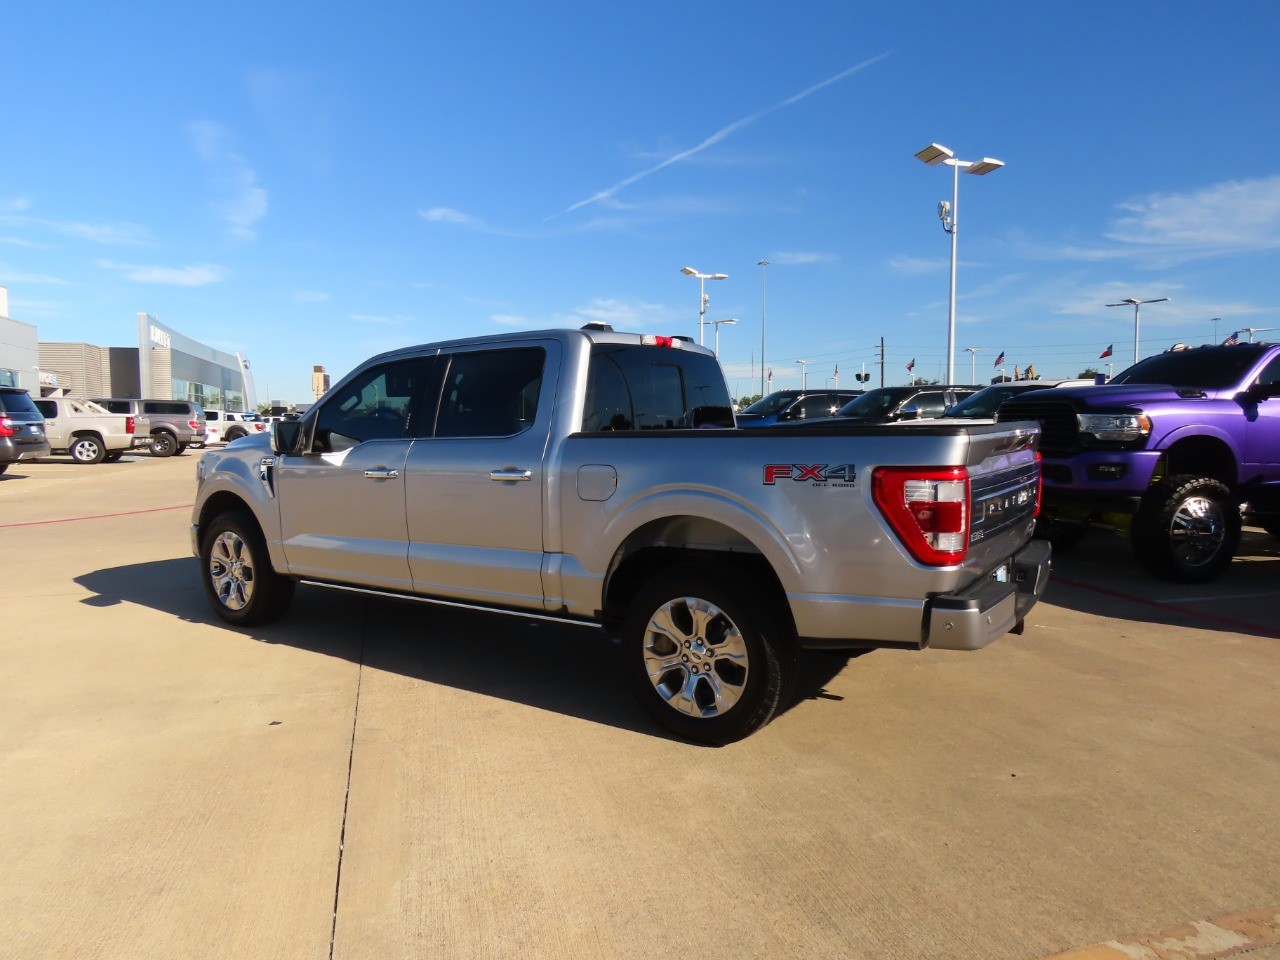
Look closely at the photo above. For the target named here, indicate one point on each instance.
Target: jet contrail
(721, 134)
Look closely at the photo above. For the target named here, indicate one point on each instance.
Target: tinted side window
(48, 409)
(1270, 375)
(819, 405)
(378, 405)
(211, 415)
(163, 409)
(653, 388)
(931, 404)
(115, 406)
(491, 393)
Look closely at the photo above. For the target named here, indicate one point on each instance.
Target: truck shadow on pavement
(567, 670)
(1101, 576)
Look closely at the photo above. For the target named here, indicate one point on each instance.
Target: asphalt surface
(378, 779)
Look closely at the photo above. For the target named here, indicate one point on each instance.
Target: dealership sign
(160, 337)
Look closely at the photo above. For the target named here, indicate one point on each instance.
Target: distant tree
(744, 402)
(925, 382)
(1088, 373)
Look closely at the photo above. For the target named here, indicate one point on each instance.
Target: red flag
(912, 365)
(1105, 353)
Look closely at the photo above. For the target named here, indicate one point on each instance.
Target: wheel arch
(1202, 454)
(666, 542)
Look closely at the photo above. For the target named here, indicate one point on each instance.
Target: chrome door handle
(382, 474)
(510, 473)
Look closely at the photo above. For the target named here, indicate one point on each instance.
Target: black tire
(1187, 529)
(113, 456)
(236, 572)
(163, 444)
(87, 448)
(235, 434)
(182, 448)
(743, 653)
(1269, 524)
(3, 467)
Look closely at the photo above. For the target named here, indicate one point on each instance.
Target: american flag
(1232, 340)
(999, 359)
(912, 364)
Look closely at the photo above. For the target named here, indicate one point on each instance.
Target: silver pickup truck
(597, 478)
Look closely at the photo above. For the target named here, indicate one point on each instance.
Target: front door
(475, 488)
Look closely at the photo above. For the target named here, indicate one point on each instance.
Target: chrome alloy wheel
(231, 570)
(695, 657)
(1197, 530)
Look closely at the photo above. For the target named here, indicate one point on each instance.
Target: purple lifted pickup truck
(1168, 452)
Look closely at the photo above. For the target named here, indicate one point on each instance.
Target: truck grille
(1059, 430)
(1002, 500)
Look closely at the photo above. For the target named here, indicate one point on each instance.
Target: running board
(475, 607)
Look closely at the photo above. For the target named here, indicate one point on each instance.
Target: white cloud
(23, 242)
(800, 259)
(9, 275)
(379, 320)
(918, 266)
(620, 314)
(721, 134)
(310, 296)
(1232, 216)
(16, 205)
(198, 275)
(104, 233)
(510, 320)
(449, 215)
(246, 202)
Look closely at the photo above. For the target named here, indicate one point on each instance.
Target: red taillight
(128, 424)
(194, 425)
(653, 340)
(928, 508)
(1039, 483)
(7, 428)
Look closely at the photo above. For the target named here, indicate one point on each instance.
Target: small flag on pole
(837, 371)
(1106, 353)
(912, 364)
(999, 360)
(1232, 340)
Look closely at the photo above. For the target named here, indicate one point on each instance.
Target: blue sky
(314, 183)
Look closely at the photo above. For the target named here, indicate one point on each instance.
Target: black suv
(21, 428)
(782, 406)
(891, 404)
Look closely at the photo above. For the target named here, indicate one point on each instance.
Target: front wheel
(238, 579)
(708, 656)
(1187, 529)
(113, 457)
(87, 449)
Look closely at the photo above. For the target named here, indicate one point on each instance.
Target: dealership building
(165, 365)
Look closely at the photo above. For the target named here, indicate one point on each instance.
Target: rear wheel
(237, 575)
(164, 444)
(708, 655)
(87, 448)
(1187, 529)
(3, 467)
(182, 448)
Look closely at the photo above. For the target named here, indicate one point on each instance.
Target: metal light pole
(1252, 330)
(717, 324)
(1214, 321)
(933, 155)
(804, 377)
(702, 286)
(763, 302)
(1137, 305)
(973, 355)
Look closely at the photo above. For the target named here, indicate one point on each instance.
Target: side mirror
(1264, 391)
(286, 436)
(910, 412)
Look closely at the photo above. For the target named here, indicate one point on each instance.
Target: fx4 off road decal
(841, 475)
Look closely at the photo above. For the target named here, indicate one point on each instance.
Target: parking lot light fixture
(702, 289)
(936, 154)
(1137, 306)
(973, 355)
(718, 324)
(804, 378)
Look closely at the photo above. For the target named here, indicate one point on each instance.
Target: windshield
(984, 404)
(1210, 368)
(875, 403)
(770, 404)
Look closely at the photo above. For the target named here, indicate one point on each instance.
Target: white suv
(228, 425)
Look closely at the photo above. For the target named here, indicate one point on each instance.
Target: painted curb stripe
(1225, 936)
(100, 516)
(1239, 625)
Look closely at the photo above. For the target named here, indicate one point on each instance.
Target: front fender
(243, 479)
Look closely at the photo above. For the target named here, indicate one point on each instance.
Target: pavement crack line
(346, 799)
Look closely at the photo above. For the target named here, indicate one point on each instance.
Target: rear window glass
(15, 402)
(115, 406)
(166, 409)
(653, 388)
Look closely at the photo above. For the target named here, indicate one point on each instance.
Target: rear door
(475, 486)
(342, 505)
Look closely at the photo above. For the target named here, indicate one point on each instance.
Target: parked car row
(103, 429)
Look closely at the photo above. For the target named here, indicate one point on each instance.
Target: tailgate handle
(510, 473)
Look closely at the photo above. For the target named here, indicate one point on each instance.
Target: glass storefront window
(8, 378)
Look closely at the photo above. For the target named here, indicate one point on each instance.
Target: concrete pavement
(473, 786)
